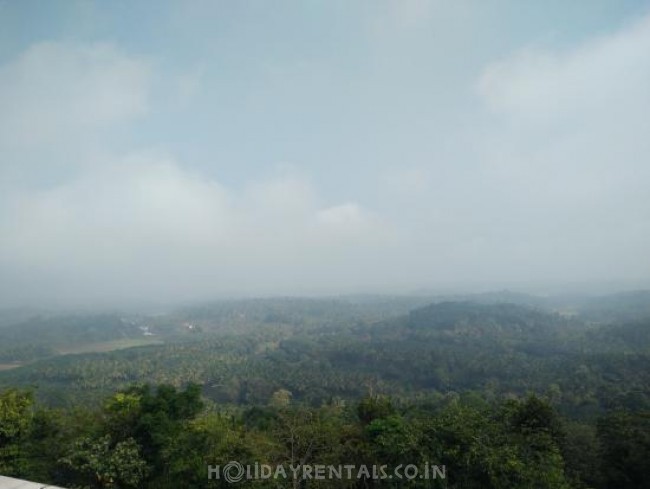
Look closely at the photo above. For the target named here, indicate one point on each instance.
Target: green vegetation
(502, 394)
(166, 438)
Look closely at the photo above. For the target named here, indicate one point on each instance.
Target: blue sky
(185, 150)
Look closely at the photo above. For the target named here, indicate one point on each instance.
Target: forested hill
(243, 351)
(482, 318)
(621, 307)
(468, 326)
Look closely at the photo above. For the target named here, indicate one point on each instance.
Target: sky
(173, 151)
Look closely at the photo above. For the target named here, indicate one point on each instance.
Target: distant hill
(17, 315)
(621, 307)
(470, 321)
(602, 309)
(496, 297)
(485, 318)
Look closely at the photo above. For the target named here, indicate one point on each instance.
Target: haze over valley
(397, 234)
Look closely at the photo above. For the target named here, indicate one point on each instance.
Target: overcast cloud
(198, 149)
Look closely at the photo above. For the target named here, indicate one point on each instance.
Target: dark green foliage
(625, 450)
(374, 407)
(152, 418)
(15, 424)
(164, 438)
(101, 463)
(328, 381)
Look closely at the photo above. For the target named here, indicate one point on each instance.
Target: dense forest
(502, 390)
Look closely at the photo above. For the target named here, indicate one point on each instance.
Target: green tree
(625, 450)
(101, 463)
(16, 415)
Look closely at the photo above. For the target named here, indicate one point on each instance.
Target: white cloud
(144, 227)
(566, 155)
(56, 91)
(544, 178)
(115, 213)
(349, 224)
(280, 196)
(342, 215)
(574, 121)
(604, 77)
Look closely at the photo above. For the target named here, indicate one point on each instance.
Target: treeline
(497, 350)
(144, 437)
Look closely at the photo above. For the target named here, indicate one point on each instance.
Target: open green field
(105, 346)
(94, 347)
(9, 366)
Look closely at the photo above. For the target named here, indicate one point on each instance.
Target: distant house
(146, 331)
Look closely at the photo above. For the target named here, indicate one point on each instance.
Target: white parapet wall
(11, 483)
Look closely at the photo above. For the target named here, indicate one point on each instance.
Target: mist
(220, 150)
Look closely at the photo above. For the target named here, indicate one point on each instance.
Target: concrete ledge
(10, 483)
